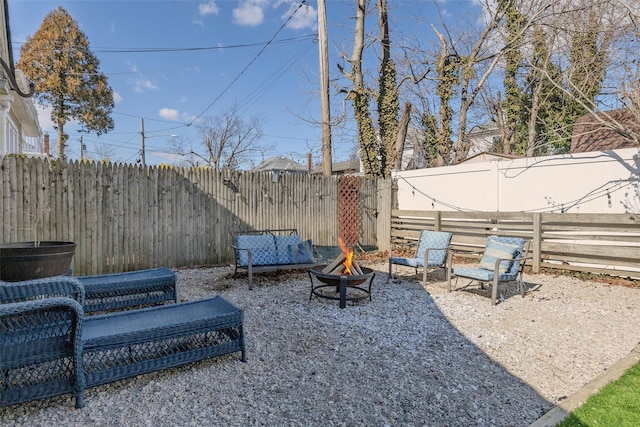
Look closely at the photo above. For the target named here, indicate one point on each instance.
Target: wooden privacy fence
(125, 217)
(595, 243)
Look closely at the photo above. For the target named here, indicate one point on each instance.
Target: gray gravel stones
(412, 356)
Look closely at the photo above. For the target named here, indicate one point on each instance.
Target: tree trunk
(402, 136)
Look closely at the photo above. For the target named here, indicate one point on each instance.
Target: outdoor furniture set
(48, 346)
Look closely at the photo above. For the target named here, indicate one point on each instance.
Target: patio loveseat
(259, 251)
(49, 347)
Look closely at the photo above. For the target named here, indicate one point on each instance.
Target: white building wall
(596, 182)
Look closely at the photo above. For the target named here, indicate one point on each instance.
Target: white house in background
(280, 164)
(483, 137)
(19, 128)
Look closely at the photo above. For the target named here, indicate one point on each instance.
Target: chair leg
(424, 276)
(449, 271)
(520, 283)
(494, 290)
(389, 275)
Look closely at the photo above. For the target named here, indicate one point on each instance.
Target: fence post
(437, 221)
(383, 208)
(537, 241)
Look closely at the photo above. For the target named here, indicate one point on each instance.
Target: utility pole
(142, 142)
(324, 88)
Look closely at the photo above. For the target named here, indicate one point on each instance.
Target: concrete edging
(559, 412)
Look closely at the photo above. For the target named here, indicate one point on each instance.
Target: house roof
(487, 156)
(596, 132)
(341, 168)
(279, 163)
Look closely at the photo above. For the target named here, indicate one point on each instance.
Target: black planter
(24, 261)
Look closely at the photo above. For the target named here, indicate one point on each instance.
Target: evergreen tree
(66, 73)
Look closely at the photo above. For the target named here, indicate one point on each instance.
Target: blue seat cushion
(495, 250)
(409, 262)
(481, 274)
(262, 246)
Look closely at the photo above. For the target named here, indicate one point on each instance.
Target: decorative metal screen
(349, 210)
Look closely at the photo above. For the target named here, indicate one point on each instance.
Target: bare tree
(103, 152)
(226, 141)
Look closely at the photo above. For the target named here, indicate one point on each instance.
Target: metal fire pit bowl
(341, 287)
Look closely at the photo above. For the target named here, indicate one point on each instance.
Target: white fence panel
(596, 182)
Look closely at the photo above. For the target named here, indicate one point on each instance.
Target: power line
(248, 65)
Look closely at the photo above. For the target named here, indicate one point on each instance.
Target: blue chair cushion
(409, 262)
(433, 239)
(302, 253)
(483, 275)
(495, 250)
(283, 252)
(262, 246)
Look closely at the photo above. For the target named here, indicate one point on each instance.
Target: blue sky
(231, 66)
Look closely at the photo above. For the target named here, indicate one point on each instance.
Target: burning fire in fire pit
(343, 264)
(343, 276)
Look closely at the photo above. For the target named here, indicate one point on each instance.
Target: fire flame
(348, 254)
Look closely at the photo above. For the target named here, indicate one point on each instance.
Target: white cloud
(209, 8)
(44, 118)
(47, 125)
(140, 83)
(117, 98)
(169, 114)
(305, 17)
(249, 13)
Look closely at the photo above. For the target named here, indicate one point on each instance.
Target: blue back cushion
(506, 248)
(283, 252)
(263, 249)
(302, 253)
(433, 239)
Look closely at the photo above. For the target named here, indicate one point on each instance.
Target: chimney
(46, 144)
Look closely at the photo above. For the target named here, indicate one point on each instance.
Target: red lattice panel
(349, 210)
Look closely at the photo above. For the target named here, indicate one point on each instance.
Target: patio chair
(431, 253)
(503, 260)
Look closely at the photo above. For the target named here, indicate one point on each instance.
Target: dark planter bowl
(25, 261)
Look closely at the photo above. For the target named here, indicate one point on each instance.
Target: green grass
(617, 404)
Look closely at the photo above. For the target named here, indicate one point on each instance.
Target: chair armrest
(499, 260)
(426, 253)
(37, 289)
(26, 307)
(236, 249)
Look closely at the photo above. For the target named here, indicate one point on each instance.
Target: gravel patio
(412, 356)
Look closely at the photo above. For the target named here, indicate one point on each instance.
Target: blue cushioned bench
(259, 251)
(126, 344)
(48, 347)
(107, 292)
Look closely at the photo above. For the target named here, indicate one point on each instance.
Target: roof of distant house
(341, 168)
(279, 164)
(487, 156)
(592, 132)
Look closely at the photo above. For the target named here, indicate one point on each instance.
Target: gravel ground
(411, 356)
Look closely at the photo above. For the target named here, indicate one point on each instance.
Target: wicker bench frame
(250, 267)
(48, 347)
(107, 292)
(122, 345)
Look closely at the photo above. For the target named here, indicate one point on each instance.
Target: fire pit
(341, 280)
